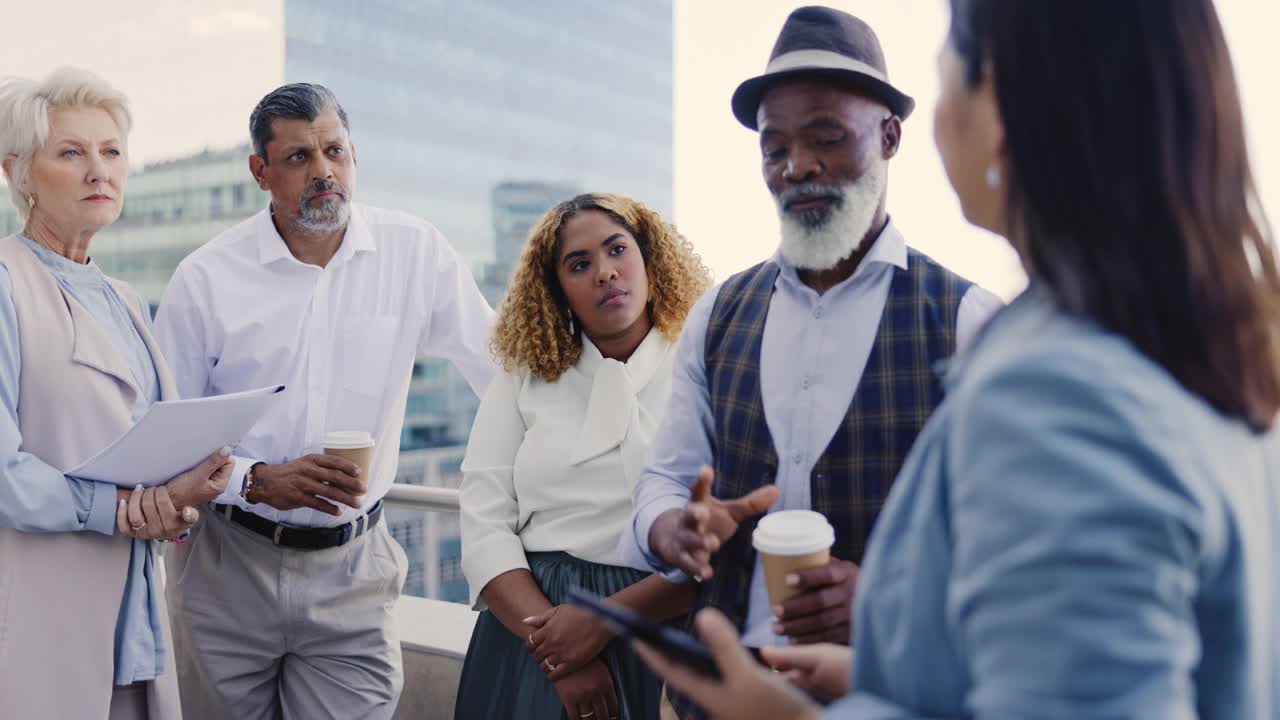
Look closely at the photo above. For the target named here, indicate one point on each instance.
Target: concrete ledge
(433, 641)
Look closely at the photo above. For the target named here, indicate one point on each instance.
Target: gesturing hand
(565, 638)
(821, 610)
(687, 538)
(310, 481)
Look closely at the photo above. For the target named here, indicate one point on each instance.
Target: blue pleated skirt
(500, 680)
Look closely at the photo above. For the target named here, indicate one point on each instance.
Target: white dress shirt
(814, 350)
(242, 312)
(551, 466)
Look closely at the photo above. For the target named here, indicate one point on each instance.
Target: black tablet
(677, 645)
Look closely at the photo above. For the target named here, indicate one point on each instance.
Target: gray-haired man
(282, 599)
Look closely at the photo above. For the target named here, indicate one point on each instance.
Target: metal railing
(433, 634)
(418, 497)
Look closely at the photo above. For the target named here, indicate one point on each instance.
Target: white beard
(821, 245)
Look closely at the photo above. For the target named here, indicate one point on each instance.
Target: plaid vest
(849, 483)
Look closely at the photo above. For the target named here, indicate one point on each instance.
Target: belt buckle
(279, 531)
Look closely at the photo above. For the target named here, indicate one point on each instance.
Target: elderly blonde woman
(587, 337)
(83, 625)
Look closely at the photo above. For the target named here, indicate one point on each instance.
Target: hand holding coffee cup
(317, 481)
(687, 538)
(810, 592)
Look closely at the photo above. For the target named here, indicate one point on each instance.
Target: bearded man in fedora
(802, 382)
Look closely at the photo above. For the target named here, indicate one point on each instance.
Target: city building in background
(449, 99)
(171, 208)
(476, 116)
(516, 206)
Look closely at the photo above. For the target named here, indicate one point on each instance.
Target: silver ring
(139, 526)
(593, 712)
(551, 667)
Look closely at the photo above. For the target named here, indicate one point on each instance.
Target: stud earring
(993, 176)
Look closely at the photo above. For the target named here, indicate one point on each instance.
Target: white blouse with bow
(551, 466)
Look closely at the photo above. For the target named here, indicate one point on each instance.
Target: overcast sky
(194, 70)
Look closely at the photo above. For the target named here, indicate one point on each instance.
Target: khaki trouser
(264, 632)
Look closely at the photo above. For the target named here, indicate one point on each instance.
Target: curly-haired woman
(586, 336)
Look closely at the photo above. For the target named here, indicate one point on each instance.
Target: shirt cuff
(102, 509)
(235, 485)
(489, 556)
(643, 523)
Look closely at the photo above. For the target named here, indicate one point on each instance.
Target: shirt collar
(66, 268)
(889, 248)
(271, 246)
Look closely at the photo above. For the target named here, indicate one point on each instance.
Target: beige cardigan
(60, 593)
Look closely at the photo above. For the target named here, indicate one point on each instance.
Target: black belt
(303, 538)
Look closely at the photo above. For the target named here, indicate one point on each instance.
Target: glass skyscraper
(449, 99)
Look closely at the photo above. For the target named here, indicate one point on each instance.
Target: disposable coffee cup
(354, 445)
(791, 540)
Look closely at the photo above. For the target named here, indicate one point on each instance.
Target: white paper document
(175, 435)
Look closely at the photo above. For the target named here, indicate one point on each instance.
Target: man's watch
(250, 482)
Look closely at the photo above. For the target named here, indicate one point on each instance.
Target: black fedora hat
(824, 42)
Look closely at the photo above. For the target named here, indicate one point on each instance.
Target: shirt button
(817, 312)
(797, 458)
(804, 383)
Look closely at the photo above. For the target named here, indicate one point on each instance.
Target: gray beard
(331, 215)
(820, 239)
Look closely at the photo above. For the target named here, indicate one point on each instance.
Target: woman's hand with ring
(564, 639)
(149, 514)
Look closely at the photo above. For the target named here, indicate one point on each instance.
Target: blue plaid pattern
(898, 391)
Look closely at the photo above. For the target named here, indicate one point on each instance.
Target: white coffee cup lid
(348, 439)
(793, 532)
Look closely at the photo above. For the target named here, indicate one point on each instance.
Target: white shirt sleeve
(489, 509)
(180, 332)
(459, 320)
(976, 308)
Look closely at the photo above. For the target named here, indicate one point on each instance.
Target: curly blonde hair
(533, 329)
